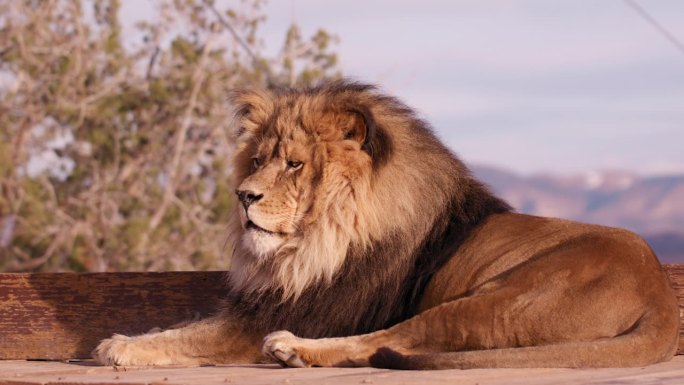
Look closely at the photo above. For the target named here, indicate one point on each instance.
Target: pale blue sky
(561, 86)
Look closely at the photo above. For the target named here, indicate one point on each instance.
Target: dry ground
(37, 372)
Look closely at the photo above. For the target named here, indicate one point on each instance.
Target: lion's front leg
(290, 350)
(211, 341)
(429, 332)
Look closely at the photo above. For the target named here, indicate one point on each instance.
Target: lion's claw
(281, 346)
(290, 359)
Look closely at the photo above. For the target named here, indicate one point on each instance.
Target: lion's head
(330, 173)
(298, 151)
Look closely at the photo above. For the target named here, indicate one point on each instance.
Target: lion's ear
(369, 135)
(362, 128)
(253, 108)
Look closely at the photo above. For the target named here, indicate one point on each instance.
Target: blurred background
(114, 127)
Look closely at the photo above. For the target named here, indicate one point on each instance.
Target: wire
(651, 20)
(241, 41)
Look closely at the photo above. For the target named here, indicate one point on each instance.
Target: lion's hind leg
(650, 338)
(630, 350)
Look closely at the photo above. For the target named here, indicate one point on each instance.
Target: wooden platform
(59, 316)
(27, 372)
(63, 316)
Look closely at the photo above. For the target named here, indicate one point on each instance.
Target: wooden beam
(676, 274)
(57, 316)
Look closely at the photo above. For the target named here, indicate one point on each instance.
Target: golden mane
(358, 213)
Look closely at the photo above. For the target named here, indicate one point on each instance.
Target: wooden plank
(64, 315)
(59, 316)
(33, 373)
(676, 274)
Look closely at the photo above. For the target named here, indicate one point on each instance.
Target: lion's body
(548, 282)
(362, 233)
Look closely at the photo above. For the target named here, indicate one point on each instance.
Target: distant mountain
(651, 206)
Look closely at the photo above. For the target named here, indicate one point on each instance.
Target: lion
(361, 240)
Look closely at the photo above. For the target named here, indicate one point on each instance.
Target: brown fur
(363, 234)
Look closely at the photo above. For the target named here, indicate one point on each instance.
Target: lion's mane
(374, 239)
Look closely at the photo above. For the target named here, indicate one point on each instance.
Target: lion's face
(278, 191)
(298, 153)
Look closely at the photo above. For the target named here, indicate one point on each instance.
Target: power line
(659, 27)
(255, 59)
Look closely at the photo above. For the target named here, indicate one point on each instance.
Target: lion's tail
(646, 344)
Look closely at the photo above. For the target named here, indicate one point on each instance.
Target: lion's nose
(248, 197)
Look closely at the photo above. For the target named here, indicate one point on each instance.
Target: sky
(564, 86)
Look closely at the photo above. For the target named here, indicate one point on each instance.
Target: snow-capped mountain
(652, 206)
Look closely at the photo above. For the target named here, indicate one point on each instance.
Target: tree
(114, 152)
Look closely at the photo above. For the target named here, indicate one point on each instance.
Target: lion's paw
(141, 350)
(113, 351)
(285, 348)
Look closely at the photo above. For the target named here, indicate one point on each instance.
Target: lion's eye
(256, 162)
(293, 164)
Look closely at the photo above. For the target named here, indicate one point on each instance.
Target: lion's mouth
(253, 226)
